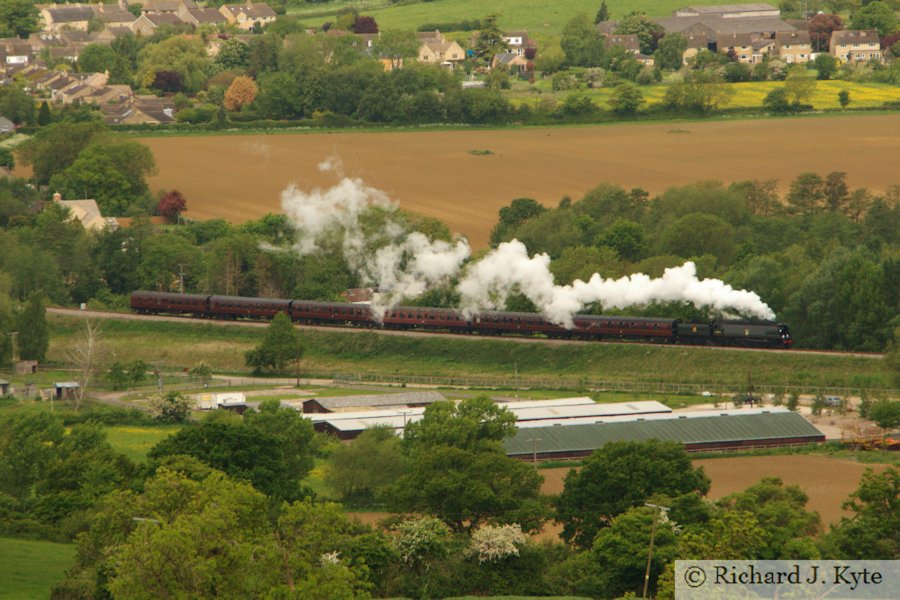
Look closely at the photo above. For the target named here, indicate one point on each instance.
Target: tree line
(221, 508)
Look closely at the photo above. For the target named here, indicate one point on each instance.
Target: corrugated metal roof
(592, 410)
(401, 399)
(651, 417)
(580, 401)
(759, 425)
(362, 415)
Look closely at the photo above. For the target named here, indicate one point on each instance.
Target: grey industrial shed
(720, 432)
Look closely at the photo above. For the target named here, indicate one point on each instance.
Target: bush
(564, 81)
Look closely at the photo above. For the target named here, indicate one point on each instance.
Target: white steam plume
(399, 265)
(404, 265)
(508, 268)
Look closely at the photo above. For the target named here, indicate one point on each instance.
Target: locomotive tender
(720, 332)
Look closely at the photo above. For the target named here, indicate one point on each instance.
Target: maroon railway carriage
(162, 302)
(625, 328)
(417, 317)
(235, 307)
(331, 313)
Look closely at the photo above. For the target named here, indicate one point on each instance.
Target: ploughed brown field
(827, 481)
(436, 173)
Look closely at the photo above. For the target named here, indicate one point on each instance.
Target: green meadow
(29, 569)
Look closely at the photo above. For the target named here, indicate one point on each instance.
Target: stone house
(247, 16)
(855, 45)
(793, 46)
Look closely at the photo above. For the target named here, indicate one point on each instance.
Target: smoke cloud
(402, 265)
(398, 264)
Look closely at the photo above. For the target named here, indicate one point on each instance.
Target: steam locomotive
(763, 334)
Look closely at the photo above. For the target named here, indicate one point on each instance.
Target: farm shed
(725, 430)
(340, 403)
(65, 390)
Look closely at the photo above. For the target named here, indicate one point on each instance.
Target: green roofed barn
(709, 430)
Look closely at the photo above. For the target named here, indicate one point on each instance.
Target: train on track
(720, 332)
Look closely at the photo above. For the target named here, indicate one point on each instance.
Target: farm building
(348, 425)
(341, 403)
(708, 430)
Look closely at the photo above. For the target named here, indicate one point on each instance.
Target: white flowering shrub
(490, 544)
(419, 539)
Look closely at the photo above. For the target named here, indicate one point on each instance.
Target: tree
(170, 407)
(620, 476)
(799, 86)
(648, 31)
(886, 414)
(362, 471)
(34, 337)
(182, 61)
(113, 173)
(875, 15)
(97, 58)
(233, 54)
(872, 532)
(776, 102)
(240, 93)
(490, 41)
(627, 238)
(697, 234)
(458, 471)
(670, 51)
(602, 14)
(243, 452)
(279, 347)
(622, 551)
(836, 191)
(626, 99)
(826, 65)
(19, 18)
(294, 433)
(365, 24)
(17, 105)
(820, 28)
(581, 43)
(806, 193)
(702, 91)
(44, 117)
(511, 217)
(844, 98)
(781, 513)
(396, 45)
(86, 356)
(171, 205)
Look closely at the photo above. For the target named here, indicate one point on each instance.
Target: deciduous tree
(240, 93)
(626, 99)
(581, 43)
(34, 336)
(620, 476)
(280, 346)
(820, 28)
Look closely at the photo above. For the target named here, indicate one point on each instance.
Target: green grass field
(135, 441)
(747, 95)
(29, 569)
(536, 16)
(174, 346)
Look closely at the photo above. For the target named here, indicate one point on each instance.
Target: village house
(71, 16)
(629, 42)
(434, 48)
(793, 46)
(159, 7)
(762, 47)
(855, 45)
(201, 16)
(249, 15)
(113, 14)
(147, 23)
(14, 51)
(510, 61)
(737, 45)
(517, 41)
(87, 213)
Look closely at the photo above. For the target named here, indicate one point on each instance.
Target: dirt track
(434, 173)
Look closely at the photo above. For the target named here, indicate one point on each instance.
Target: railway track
(96, 314)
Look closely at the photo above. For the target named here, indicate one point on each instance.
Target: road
(95, 314)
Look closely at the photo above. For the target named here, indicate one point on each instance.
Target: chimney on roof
(57, 197)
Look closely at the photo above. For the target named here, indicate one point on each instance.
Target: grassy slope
(536, 16)
(178, 345)
(29, 569)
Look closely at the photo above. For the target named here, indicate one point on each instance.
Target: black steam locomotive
(765, 334)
